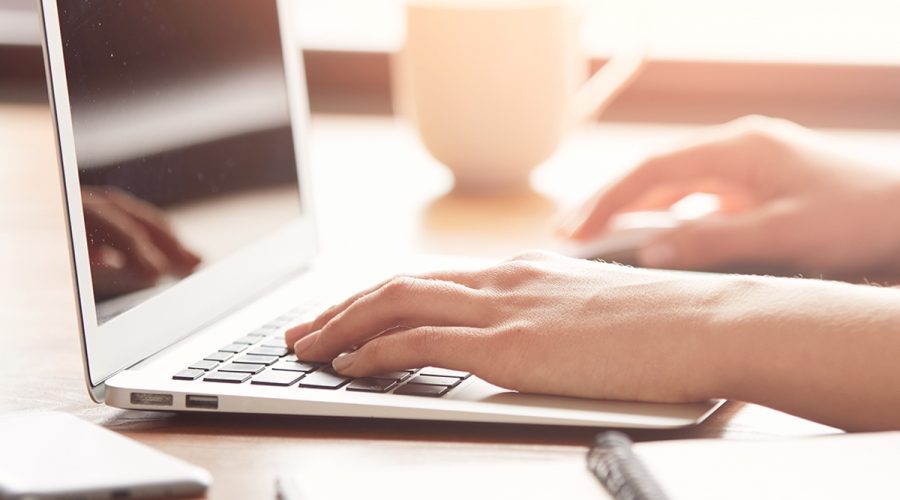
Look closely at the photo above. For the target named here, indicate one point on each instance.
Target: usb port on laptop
(203, 402)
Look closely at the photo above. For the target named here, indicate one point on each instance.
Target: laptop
(181, 130)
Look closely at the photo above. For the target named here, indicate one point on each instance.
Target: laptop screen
(182, 137)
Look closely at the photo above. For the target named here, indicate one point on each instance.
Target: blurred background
(837, 63)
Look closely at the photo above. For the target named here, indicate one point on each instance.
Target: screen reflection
(182, 136)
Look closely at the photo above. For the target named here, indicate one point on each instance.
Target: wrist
(721, 319)
(741, 330)
(778, 341)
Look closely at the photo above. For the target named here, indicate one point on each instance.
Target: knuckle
(506, 275)
(757, 130)
(761, 124)
(752, 122)
(531, 255)
(524, 270)
(399, 286)
(334, 309)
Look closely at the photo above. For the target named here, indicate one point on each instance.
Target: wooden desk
(382, 194)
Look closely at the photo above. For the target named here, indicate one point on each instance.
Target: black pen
(619, 470)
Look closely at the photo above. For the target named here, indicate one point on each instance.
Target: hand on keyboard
(262, 358)
(538, 323)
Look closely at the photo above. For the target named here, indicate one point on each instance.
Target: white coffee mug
(493, 85)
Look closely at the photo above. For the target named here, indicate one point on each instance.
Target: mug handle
(607, 83)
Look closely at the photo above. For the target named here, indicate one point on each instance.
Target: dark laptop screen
(182, 136)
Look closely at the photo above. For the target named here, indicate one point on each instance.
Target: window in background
(821, 31)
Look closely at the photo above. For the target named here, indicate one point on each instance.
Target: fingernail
(658, 255)
(305, 343)
(343, 362)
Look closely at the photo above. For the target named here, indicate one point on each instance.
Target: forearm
(825, 351)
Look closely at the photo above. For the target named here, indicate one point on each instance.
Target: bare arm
(826, 351)
(544, 323)
(547, 324)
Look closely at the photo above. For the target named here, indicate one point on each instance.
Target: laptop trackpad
(491, 398)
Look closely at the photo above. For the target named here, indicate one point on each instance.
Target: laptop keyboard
(261, 358)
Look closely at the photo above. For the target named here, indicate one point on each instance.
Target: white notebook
(846, 466)
(835, 467)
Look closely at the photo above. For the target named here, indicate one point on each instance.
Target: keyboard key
(279, 378)
(233, 348)
(227, 377)
(296, 366)
(242, 368)
(397, 376)
(256, 359)
(324, 379)
(432, 380)
(247, 339)
(270, 351)
(432, 391)
(264, 331)
(189, 374)
(443, 372)
(204, 365)
(290, 357)
(372, 385)
(219, 356)
(274, 341)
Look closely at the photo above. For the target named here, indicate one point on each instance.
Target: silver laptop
(181, 134)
